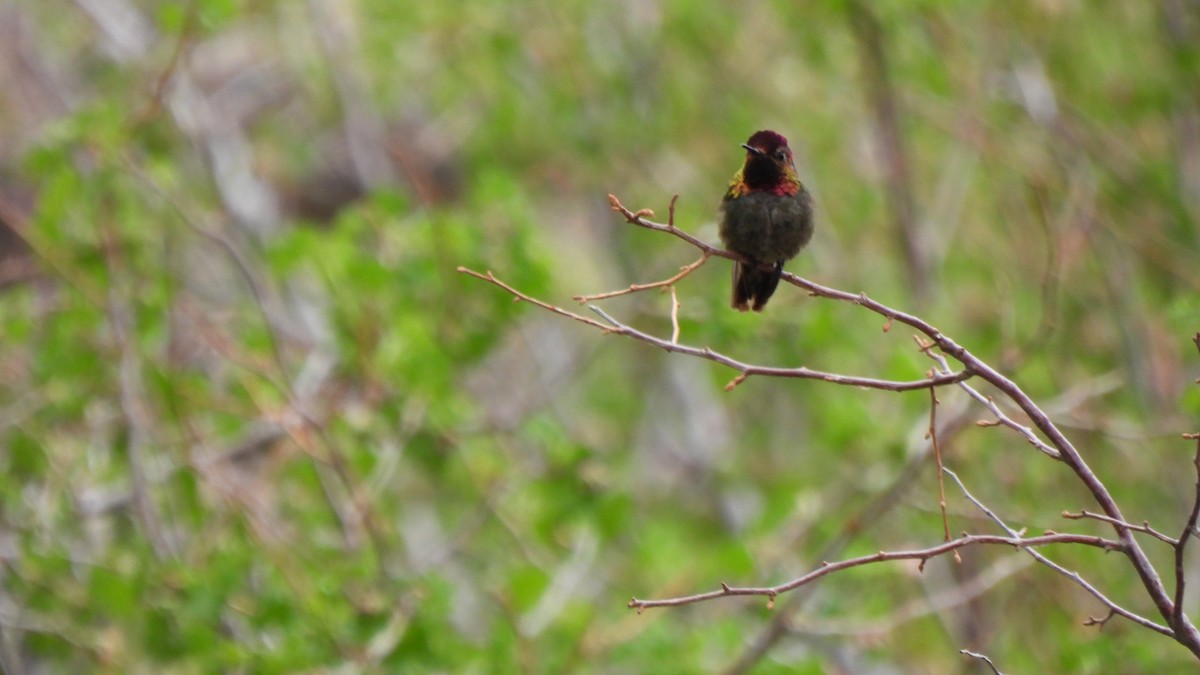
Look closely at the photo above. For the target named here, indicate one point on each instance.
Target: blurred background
(253, 420)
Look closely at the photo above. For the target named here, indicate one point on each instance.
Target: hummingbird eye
(781, 155)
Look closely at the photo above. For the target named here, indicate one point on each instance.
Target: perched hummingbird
(767, 216)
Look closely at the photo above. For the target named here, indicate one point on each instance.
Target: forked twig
(746, 369)
(923, 554)
(937, 455)
(1144, 527)
(635, 288)
(1113, 607)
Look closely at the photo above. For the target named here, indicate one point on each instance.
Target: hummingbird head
(769, 161)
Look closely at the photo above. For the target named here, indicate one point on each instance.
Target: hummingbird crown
(769, 167)
(767, 141)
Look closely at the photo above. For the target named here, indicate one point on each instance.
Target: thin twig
(674, 316)
(1001, 418)
(771, 371)
(981, 657)
(746, 370)
(1177, 617)
(1074, 576)
(1184, 537)
(519, 296)
(634, 288)
(923, 606)
(937, 455)
(1062, 449)
(854, 526)
(1093, 621)
(923, 554)
(1144, 527)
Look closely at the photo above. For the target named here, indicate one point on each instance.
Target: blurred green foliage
(317, 446)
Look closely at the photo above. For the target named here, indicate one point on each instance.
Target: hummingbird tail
(753, 286)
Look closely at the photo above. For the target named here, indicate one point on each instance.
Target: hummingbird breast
(765, 226)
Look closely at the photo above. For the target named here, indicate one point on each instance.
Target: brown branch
(1057, 444)
(1113, 607)
(640, 220)
(1144, 527)
(981, 657)
(923, 554)
(1093, 621)
(1178, 620)
(854, 526)
(518, 296)
(920, 607)
(937, 455)
(1001, 418)
(746, 369)
(674, 316)
(1184, 537)
(1186, 634)
(634, 288)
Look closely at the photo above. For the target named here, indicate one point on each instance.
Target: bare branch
(640, 220)
(1178, 620)
(674, 317)
(981, 657)
(923, 554)
(1144, 527)
(937, 454)
(745, 369)
(1093, 621)
(923, 606)
(518, 296)
(1056, 445)
(1001, 418)
(1189, 530)
(1113, 607)
(634, 288)
(854, 526)
(1059, 447)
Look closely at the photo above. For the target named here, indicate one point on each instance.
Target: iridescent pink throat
(788, 187)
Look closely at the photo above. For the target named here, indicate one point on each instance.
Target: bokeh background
(253, 420)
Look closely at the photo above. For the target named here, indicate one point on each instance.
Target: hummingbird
(767, 216)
